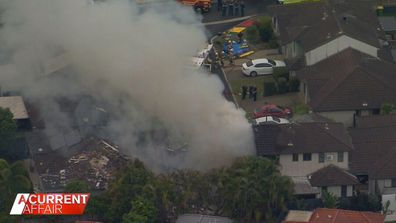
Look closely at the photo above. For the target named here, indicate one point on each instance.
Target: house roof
(310, 137)
(375, 147)
(302, 186)
(298, 216)
(16, 106)
(349, 80)
(313, 24)
(325, 215)
(388, 23)
(332, 175)
(197, 218)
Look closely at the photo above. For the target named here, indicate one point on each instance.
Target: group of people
(251, 90)
(231, 7)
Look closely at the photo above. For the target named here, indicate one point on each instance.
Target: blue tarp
(238, 48)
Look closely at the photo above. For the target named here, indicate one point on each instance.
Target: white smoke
(134, 61)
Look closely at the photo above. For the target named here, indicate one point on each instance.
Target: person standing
(250, 92)
(242, 7)
(254, 93)
(231, 57)
(244, 92)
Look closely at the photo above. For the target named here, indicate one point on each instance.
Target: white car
(270, 120)
(261, 67)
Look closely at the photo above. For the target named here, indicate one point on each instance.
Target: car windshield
(272, 62)
(249, 63)
(276, 119)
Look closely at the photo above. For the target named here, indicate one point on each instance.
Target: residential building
(312, 32)
(348, 84)
(373, 159)
(197, 218)
(18, 109)
(326, 215)
(334, 180)
(303, 149)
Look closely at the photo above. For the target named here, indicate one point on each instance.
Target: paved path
(228, 20)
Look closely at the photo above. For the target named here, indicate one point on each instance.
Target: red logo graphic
(49, 204)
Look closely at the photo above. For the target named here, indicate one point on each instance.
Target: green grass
(250, 81)
(300, 109)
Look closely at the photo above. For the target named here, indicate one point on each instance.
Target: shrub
(281, 72)
(387, 108)
(273, 42)
(329, 200)
(300, 109)
(269, 88)
(294, 85)
(252, 34)
(264, 22)
(265, 34)
(283, 86)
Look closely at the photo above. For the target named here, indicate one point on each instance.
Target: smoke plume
(133, 63)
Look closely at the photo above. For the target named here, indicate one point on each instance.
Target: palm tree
(13, 179)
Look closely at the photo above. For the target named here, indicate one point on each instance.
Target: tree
(143, 210)
(77, 187)
(329, 200)
(13, 179)
(253, 188)
(8, 128)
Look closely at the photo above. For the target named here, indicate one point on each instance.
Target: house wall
(292, 50)
(383, 188)
(337, 45)
(345, 117)
(302, 168)
(336, 190)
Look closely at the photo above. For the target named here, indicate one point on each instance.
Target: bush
(387, 108)
(273, 42)
(300, 109)
(329, 200)
(294, 85)
(281, 72)
(265, 34)
(252, 34)
(283, 86)
(269, 88)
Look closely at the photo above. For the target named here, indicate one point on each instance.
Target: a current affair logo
(49, 204)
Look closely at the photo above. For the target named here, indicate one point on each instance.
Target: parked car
(270, 120)
(264, 66)
(272, 110)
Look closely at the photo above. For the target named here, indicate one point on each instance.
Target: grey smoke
(134, 62)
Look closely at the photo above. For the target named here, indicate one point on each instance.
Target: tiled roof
(375, 147)
(350, 80)
(16, 106)
(332, 175)
(325, 215)
(313, 24)
(301, 137)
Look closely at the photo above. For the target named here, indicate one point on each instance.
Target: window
(340, 157)
(307, 156)
(343, 191)
(249, 63)
(394, 183)
(321, 157)
(295, 157)
(272, 62)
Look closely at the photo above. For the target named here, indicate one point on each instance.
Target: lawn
(236, 85)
